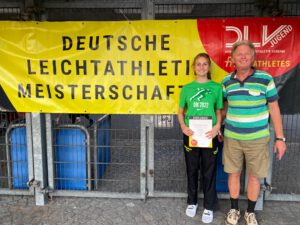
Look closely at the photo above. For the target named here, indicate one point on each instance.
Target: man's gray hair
(244, 42)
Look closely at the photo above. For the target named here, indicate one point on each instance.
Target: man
(250, 97)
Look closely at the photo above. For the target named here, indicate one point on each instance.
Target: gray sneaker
(232, 217)
(250, 218)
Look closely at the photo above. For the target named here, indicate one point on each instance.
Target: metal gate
(15, 154)
(99, 160)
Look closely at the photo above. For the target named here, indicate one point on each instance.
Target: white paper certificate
(200, 125)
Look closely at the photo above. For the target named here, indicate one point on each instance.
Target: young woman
(201, 98)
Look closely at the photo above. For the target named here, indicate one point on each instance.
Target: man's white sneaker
(207, 216)
(191, 210)
(250, 218)
(232, 217)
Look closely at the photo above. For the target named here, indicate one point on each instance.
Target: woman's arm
(185, 129)
(216, 128)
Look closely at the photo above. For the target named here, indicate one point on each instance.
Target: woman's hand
(220, 137)
(186, 130)
(213, 132)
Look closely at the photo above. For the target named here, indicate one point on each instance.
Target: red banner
(275, 39)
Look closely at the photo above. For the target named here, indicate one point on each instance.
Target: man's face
(242, 57)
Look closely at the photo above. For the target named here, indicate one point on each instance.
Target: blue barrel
(103, 143)
(19, 157)
(222, 183)
(70, 159)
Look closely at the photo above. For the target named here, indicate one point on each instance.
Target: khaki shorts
(256, 153)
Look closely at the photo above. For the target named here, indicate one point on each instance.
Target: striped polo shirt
(247, 116)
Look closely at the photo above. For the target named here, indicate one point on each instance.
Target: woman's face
(201, 66)
(242, 58)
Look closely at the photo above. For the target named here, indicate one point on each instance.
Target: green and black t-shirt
(201, 99)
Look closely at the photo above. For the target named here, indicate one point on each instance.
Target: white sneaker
(250, 218)
(207, 216)
(232, 217)
(191, 210)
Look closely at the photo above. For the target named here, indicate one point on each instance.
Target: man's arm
(223, 116)
(224, 111)
(279, 146)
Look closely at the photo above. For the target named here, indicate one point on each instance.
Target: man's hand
(279, 149)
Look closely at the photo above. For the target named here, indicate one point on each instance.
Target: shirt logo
(201, 93)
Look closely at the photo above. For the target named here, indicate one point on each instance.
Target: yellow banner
(134, 67)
